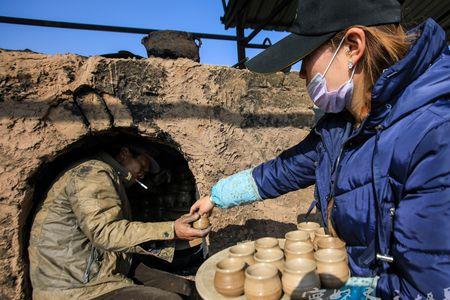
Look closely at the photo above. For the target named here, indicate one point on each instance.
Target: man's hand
(184, 230)
(202, 206)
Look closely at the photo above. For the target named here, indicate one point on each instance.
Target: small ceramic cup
(331, 243)
(309, 227)
(318, 234)
(271, 256)
(229, 278)
(299, 250)
(267, 243)
(332, 267)
(296, 236)
(262, 282)
(300, 275)
(243, 251)
(202, 223)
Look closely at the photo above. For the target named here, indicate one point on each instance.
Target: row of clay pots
(261, 280)
(303, 270)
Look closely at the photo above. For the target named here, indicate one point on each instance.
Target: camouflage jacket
(82, 236)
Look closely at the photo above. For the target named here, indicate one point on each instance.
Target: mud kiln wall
(217, 119)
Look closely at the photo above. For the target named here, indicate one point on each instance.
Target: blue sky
(187, 15)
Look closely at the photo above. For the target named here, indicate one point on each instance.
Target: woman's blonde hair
(385, 45)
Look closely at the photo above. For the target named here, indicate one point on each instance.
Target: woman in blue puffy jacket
(380, 156)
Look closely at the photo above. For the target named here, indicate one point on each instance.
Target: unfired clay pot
(243, 251)
(300, 275)
(332, 267)
(266, 243)
(202, 223)
(309, 227)
(331, 243)
(297, 236)
(299, 250)
(262, 282)
(229, 278)
(318, 234)
(271, 256)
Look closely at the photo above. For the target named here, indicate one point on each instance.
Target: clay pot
(331, 243)
(309, 227)
(300, 275)
(271, 256)
(243, 251)
(299, 250)
(229, 278)
(318, 234)
(267, 243)
(202, 223)
(262, 282)
(297, 236)
(332, 267)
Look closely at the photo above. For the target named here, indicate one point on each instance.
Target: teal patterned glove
(234, 190)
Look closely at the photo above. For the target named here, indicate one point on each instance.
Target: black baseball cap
(316, 22)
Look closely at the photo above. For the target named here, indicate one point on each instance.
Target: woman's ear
(355, 44)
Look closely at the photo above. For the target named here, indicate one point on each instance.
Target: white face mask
(331, 101)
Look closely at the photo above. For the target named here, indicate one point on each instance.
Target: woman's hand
(202, 206)
(183, 229)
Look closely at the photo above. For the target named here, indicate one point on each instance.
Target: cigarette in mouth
(143, 185)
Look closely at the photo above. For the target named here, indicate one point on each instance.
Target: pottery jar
(266, 243)
(300, 275)
(332, 267)
(331, 243)
(318, 234)
(271, 256)
(229, 277)
(299, 250)
(243, 251)
(297, 236)
(202, 223)
(262, 282)
(309, 227)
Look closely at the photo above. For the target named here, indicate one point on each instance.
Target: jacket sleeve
(98, 209)
(292, 170)
(421, 244)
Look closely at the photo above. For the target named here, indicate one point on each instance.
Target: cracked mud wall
(221, 119)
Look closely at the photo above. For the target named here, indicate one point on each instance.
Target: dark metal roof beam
(224, 4)
(81, 26)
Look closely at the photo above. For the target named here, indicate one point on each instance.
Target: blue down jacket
(390, 177)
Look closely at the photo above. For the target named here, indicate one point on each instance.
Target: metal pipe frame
(133, 30)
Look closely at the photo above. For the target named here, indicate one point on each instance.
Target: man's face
(138, 166)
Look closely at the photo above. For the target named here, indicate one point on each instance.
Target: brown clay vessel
(202, 223)
(297, 236)
(271, 256)
(262, 282)
(243, 251)
(318, 234)
(309, 227)
(229, 278)
(331, 243)
(299, 250)
(332, 267)
(300, 275)
(266, 243)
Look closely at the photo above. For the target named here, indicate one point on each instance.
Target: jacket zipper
(333, 187)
